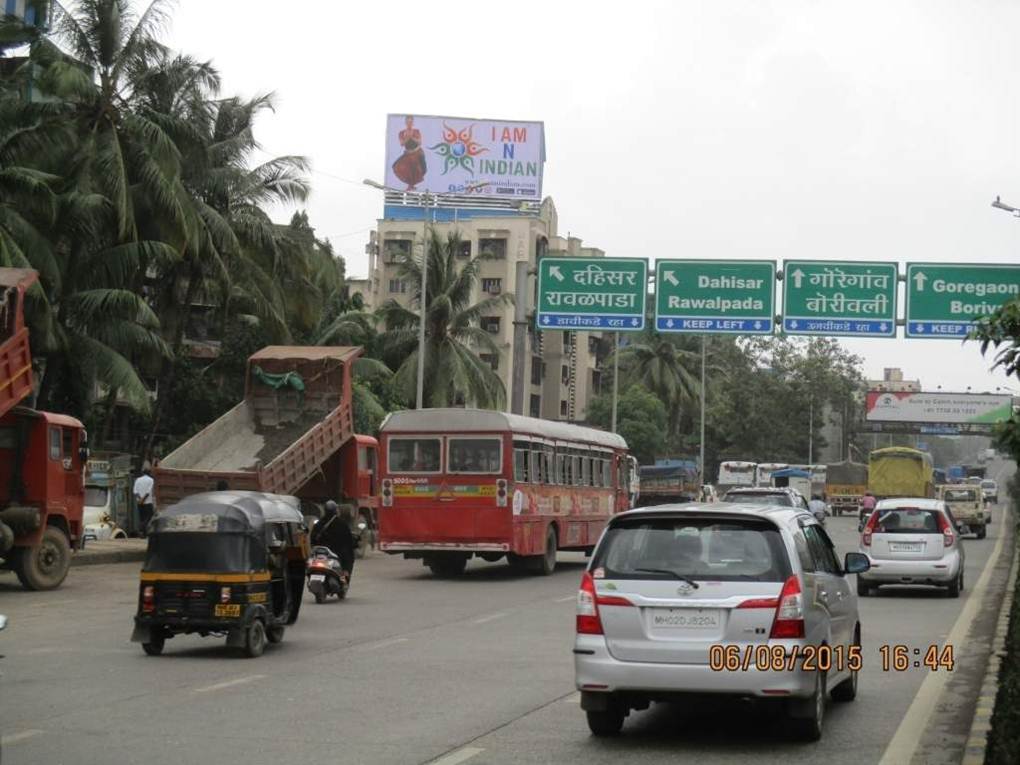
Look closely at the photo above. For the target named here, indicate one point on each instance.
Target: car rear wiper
(671, 573)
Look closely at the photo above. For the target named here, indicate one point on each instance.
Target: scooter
(325, 575)
(362, 538)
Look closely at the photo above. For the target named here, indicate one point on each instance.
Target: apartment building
(562, 369)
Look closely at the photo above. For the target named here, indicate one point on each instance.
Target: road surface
(416, 670)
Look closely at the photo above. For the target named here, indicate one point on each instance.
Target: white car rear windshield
(907, 520)
(759, 499)
(697, 548)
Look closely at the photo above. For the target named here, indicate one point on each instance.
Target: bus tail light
(387, 492)
(501, 486)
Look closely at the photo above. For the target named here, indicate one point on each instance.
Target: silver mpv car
(695, 599)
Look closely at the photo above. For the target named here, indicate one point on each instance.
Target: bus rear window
(414, 455)
(474, 455)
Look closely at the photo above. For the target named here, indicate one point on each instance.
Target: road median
(110, 551)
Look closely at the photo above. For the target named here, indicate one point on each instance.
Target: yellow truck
(845, 484)
(899, 471)
(967, 505)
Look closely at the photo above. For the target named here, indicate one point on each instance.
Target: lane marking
(573, 698)
(461, 755)
(566, 599)
(14, 738)
(383, 644)
(908, 735)
(229, 683)
(489, 618)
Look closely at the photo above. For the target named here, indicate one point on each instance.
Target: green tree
(640, 419)
(453, 370)
(1001, 332)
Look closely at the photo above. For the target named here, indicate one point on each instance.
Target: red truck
(42, 458)
(292, 434)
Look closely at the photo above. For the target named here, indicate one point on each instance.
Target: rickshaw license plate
(228, 609)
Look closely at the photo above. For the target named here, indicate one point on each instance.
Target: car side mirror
(856, 563)
(3, 621)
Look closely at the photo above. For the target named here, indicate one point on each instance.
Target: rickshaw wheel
(155, 645)
(275, 634)
(255, 639)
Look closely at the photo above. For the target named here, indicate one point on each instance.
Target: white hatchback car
(912, 541)
(716, 599)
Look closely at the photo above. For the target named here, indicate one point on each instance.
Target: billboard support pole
(520, 336)
(616, 377)
(420, 394)
(701, 466)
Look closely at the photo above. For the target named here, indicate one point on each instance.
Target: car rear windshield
(698, 548)
(988, 484)
(907, 520)
(959, 495)
(95, 496)
(759, 499)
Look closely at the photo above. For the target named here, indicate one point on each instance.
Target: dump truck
(293, 433)
(669, 481)
(845, 484)
(899, 471)
(42, 458)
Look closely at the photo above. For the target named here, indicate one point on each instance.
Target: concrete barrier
(110, 551)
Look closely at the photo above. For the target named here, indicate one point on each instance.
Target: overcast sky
(756, 129)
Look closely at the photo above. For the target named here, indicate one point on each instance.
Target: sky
(746, 129)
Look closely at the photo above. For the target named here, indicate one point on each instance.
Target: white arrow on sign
(669, 322)
(670, 277)
(794, 324)
(883, 327)
(634, 322)
(757, 325)
(554, 271)
(798, 277)
(919, 328)
(919, 280)
(546, 319)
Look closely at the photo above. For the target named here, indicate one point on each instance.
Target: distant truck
(899, 471)
(975, 471)
(292, 434)
(109, 505)
(967, 506)
(669, 481)
(956, 474)
(42, 458)
(845, 485)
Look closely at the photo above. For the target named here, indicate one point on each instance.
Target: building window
(535, 406)
(563, 409)
(492, 248)
(565, 374)
(395, 250)
(398, 286)
(568, 339)
(596, 381)
(464, 251)
(491, 359)
(593, 345)
(537, 370)
(491, 324)
(492, 286)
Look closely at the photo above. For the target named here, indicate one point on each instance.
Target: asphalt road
(414, 670)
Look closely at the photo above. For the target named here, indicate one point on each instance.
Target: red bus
(463, 482)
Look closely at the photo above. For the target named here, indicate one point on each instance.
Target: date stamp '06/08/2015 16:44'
(825, 658)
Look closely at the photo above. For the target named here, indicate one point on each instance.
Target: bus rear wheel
(545, 563)
(448, 565)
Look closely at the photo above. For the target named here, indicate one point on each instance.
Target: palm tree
(664, 366)
(454, 371)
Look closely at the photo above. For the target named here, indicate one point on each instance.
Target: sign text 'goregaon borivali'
(944, 300)
(592, 293)
(839, 298)
(715, 296)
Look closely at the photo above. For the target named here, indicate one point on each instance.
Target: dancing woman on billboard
(410, 166)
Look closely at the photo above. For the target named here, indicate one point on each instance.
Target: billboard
(938, 408)
(447, 155)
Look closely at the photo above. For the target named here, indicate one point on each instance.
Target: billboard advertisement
(938, 408)
(451, 155)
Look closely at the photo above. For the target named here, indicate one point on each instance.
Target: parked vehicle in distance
(734, 473)
(966, 505)
(990, 490)
(463, 482)
(792, 478)
(898, 471)
(845, 484)
(110, 511)
(672, 591)
(912, 540)
(764, 495)
(669, 482)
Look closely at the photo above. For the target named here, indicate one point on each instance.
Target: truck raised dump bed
(290, 432)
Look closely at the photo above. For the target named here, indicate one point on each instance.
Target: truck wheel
(447, 565)
(255, 639)
(45, 566)
(982, 532)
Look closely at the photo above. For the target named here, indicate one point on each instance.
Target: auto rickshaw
(223, 563)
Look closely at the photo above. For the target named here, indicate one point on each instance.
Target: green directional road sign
(945, 299)
(715, 296)
(592, 293)
(829, 297)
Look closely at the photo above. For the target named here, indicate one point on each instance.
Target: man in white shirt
(145, 499)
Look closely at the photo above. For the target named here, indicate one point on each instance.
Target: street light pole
(701, 467)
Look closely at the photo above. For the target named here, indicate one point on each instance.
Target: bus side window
(521, 456)
(54, 443)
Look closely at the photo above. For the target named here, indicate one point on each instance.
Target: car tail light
(588, 621)
(224, 594)
(869, 528)
(789, 619)
(387, 492)
(501, 492)
(148, 598)
(947, 531)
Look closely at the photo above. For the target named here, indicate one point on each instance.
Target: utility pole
(521, 294)
(811, 429)
(420, 395)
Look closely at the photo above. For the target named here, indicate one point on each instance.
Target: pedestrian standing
(145, 499)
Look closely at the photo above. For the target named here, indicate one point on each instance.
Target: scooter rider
(334, 532)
